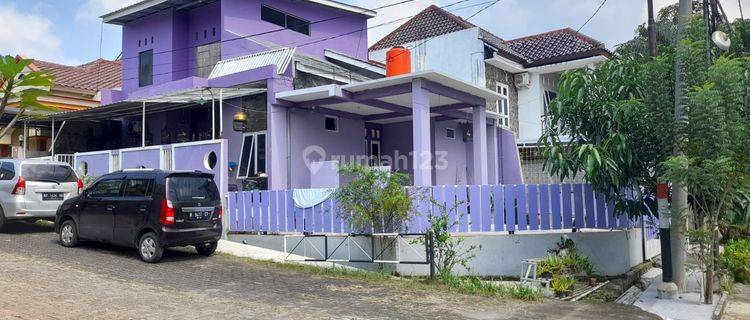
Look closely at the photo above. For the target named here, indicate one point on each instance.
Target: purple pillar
(421, 134)
(492, 155)
(277, 144)
(479, 145)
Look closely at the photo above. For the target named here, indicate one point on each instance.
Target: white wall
(459, 54)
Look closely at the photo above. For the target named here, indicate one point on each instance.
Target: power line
(480, 10)
(331, 37)
(592, 16)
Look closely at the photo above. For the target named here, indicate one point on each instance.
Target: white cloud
(29, 35)
(91, 10)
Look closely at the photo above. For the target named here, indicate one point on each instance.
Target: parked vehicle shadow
(20, 227)
(171, 255)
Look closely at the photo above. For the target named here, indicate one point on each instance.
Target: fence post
(431, 254)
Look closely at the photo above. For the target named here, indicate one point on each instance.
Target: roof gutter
(514, 67)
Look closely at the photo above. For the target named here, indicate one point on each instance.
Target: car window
(107, 188)
(187, 188)
(138, 187)
(48, 172)
(7, 171)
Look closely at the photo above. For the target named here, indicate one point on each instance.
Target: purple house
(278, 94)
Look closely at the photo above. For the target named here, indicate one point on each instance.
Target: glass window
(253, 155)
(48, 173)
(138, 187)
(331, 123)
(146, 68)
(191, 188)
(106, 189)
(206, 57)
(285, 20)
(502, 107)
(450, 133)
(7, 171)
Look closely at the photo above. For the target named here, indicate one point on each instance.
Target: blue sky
(68, 31)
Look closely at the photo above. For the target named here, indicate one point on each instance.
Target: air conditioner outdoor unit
(523, 80)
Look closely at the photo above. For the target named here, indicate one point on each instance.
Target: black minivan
(146, 209)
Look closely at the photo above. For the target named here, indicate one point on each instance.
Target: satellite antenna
(721, 40)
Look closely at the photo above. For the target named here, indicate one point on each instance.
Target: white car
(34, 189)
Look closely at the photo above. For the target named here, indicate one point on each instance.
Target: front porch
(424, 124)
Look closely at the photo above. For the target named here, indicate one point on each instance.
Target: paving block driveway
(39, 279)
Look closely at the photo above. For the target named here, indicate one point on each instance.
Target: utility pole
(652, 30)
(678, 234)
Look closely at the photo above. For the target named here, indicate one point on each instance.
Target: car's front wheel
(149, 248)
(206, 249)
(68, 234)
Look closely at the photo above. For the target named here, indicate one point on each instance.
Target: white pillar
(479, 144)
(422, 158)
(25, 138)
(221, 113)
(213, 117)
(52, 150)
(143, 125)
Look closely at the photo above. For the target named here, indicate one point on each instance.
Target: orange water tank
(397, 62)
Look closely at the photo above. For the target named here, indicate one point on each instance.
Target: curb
(720, 306)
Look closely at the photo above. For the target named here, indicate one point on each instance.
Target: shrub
(374, 199)
(736, 258)
(561, 284)
(565, 259)
(450, 250)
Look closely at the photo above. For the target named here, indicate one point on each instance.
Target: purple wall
(147, 158)
(308, 133)
(456, 153)
(98, 164)
(158, 26)
(510, 162)
(242, 17)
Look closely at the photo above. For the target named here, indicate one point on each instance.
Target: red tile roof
(556, 46)
(93, 76)
(545, 48)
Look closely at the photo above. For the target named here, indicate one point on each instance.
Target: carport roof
(389, 99)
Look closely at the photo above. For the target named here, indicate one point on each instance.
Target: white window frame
(503, 110)
(254, 153)
(336, 121)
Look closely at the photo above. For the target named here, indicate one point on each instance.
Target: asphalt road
(39, 279)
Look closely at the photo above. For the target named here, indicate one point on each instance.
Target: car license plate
(199, 215)
(52, 196)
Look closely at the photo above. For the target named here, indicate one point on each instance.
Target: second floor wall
(175, 43)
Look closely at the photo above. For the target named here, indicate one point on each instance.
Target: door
(97, 210)
(133, 208)
(7, 181)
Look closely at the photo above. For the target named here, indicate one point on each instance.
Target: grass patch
(603, 295)
(474, 285)
(448, 284)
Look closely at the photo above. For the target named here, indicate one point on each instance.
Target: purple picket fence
(474, 208)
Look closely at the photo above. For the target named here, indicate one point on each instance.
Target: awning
(171, 101)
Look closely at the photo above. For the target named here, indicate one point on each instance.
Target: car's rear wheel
(206, 249)
(68, 234)
(149, 248)
(3, 221)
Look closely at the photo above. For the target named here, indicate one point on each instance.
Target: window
(489, 52)
(450, 133)
(138, 187)
(48, 172)
(146, 68)
(206, 57)
(106, 189)
(282, 19)
(7, 171)
(191, 188)
(331, 123)
(253, 155)
(502, 107)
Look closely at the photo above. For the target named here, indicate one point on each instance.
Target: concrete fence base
(612, 252)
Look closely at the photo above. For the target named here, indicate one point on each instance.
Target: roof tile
(95, 75)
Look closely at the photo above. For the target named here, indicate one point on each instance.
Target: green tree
(21, 89)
